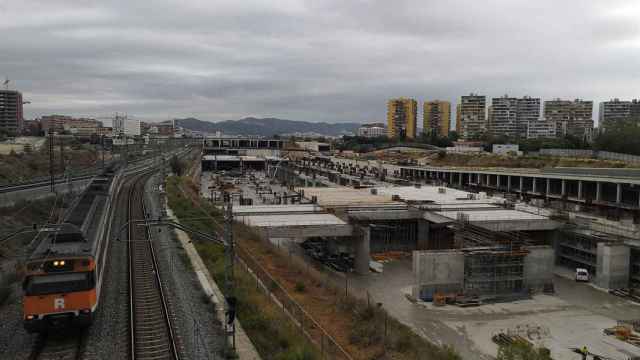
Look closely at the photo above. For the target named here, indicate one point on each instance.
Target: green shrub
(300, 287)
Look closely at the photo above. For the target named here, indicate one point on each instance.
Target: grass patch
(300, 287)
(273, 335)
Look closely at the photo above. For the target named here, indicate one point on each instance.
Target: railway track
(151, 329)
(50, 347)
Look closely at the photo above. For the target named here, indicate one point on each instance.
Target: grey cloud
(322, 61)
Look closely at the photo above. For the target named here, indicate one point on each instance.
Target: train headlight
(31, 317)
(56, 263)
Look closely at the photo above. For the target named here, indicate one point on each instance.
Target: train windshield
(59, 283)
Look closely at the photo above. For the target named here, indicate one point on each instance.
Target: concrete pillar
(563, 190)
(451, 178)
(598, 191)
(533, 185)
(521, 183)
(548, 186)
(618, 193)
(362, 251)
(508, 182)
(579, 189)
(488, 178)
(423, 234)
(497, 181)
(460, 180)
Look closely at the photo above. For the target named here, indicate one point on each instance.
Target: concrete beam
(306, 231)
(518, 225)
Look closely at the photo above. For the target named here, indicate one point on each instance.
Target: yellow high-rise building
(437, 117)
(402, 114)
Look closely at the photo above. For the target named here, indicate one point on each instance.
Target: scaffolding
(492, 272)
(468, 235)
(494, 260)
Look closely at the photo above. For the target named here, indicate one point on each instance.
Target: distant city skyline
(327, 61)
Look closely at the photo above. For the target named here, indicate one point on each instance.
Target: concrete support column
(533, 185)
(362, 251)
(579, 189)
(618, 193)
(521, 183)
(423, 234)
(451, 178)
(548, 186)
(508, 182)
(598, 191)
(460, 180)
(488, 177)
(497, 181)
(563, 190)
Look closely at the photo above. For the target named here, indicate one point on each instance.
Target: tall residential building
(615, 110)
(124, 126)
(571, 117)
(473, 122)
(401, 118)
(458, 121)
(509, 116)
(635, 109)
(502, 116)
(437, 117)
(11, 116)
(541, 129)
(528, 112)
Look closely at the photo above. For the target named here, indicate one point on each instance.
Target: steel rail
(152, 332)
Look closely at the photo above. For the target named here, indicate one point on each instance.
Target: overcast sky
(317, 60)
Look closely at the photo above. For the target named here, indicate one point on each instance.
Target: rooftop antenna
(6, 83)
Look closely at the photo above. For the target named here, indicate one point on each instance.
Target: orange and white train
(63, 275)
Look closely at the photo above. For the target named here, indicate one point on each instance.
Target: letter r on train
(58, 303)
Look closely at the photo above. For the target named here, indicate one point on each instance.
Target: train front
(59, 292)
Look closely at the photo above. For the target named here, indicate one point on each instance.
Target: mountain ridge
(267, 126)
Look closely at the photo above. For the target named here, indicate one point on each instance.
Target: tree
(621, 137)
(177, 166)
(522, 351)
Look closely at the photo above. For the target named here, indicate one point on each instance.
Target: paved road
(576, 316)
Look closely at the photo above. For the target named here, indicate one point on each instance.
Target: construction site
(481, 264)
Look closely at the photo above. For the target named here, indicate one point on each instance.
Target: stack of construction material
(624, 333)
(503, 339)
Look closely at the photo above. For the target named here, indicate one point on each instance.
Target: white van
(582, 274)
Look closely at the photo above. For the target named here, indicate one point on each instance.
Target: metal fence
(329, 348)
